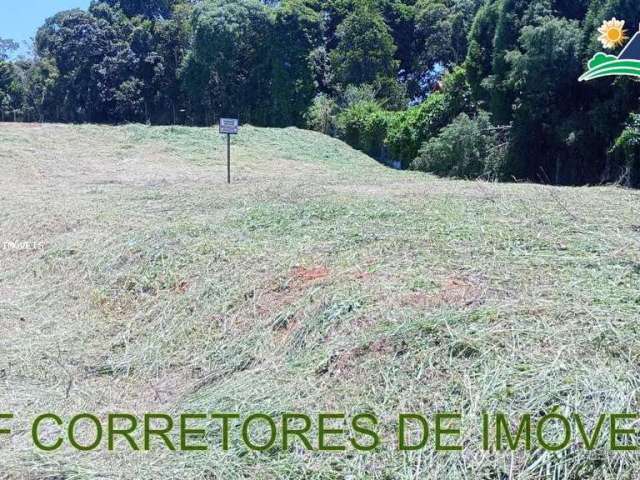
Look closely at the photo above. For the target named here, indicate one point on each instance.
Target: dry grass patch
(317, 281)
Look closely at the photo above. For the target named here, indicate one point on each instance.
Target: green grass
(318, 281)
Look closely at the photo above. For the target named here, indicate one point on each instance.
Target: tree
(363, 125)
(626, 152)
(478, 63)
(409, 129)
(230, 61)
(77, 43)
(542, 77)
(466, 148)
(6, 47)
(41, 96)
(152, 9)
(365, 51)
(434, 32)
(510, 20)
(8, 80)
(321, 115)
(296, 34)
(172, 41)
(440, 40)
(10, 91)
(399, 16)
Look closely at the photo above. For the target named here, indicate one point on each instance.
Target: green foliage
(357, 93)
(100, 55)
(399, 16)
(230, 59)
(41, 81)
(522, 64)
(297, 33)
(433, 31)
(11, 91)
(348, 68)
(321, 115)
(466, 148)
(146, 8)
(410, 128)
(6, 47)
(479, 54)
(365, 50)
(512, 16)
(334, 115)
(363, 125)
(77, 42)
(542, 72)
(441, 28)
(626, 151)
(360, 119)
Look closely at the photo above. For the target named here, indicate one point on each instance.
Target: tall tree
(365, 51)
(146, 8)
(6, 47)
(297, 33)
(480, 51)
(543, 77)
(231, 53)
(77, 43)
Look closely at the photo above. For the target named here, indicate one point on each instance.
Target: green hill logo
(612, 34)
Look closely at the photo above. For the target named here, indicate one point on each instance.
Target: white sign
(229, 125)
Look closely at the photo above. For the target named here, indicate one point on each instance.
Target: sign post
(229, 126)
(228, 158)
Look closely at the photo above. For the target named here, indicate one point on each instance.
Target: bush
(355, 116)
(626, 151)
(358, 117)
(364, 126)
(409, 129)
(467, 148)
(353, 94)
(321, 115)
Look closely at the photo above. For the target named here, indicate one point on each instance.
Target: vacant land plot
(134, 279)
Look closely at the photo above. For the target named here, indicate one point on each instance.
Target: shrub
(467, 148)
(409, 129)
(355, 116)
(353, 94)
(364, 126)
(321, 115)
(358, 117)
(626, 151)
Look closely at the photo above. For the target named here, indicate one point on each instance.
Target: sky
(20, 19)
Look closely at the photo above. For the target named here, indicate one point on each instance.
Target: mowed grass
(135, 280)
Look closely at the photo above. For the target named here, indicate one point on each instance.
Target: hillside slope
(135, 280)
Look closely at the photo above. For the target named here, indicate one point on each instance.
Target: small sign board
(229, 126)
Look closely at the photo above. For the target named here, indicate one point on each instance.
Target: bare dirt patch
(306, 275)
(455, 291)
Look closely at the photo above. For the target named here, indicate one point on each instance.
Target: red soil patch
(454, 291)
(309, 274)
(279, 297)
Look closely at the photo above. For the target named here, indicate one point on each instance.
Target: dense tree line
(466, 88)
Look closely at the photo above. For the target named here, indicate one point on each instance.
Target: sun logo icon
(612, 33)
(627, 63)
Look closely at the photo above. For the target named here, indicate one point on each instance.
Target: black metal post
(228, 158)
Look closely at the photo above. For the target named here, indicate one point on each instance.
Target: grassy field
(134, 279)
